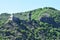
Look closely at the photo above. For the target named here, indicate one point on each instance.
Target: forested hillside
(38, 24)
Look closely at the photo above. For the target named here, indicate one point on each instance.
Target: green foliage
(35, 28)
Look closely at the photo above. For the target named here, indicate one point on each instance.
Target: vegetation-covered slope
(38, 24)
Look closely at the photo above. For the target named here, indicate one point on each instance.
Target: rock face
(49, 20)
(17, 20)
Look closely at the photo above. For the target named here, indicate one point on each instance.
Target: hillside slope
(38, 24)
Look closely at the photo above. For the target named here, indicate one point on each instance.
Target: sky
(14, 6)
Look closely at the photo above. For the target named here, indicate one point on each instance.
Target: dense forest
(38, 24)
